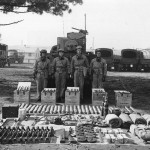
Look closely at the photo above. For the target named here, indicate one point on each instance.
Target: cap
(79, 47)
(61, 50)
(43, 51)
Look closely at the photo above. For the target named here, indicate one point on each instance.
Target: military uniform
(61, 68)
(78, 66)
(41, 70)
(98, 69)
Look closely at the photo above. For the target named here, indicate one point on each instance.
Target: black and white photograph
(74, 74)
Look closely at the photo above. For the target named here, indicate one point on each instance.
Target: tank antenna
(63, 28)
(85, 21)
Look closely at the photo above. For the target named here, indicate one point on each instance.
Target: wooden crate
(98, 96)
(48, 96)
(72, 96)
(21, 96)
(123, 98)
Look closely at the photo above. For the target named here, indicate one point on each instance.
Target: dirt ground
(136, 83)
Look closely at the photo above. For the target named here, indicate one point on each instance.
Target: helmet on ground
(61, 50)
(79, 47)
(43, 51)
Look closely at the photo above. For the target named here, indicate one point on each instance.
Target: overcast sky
(111, 23)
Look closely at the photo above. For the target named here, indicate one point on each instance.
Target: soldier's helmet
(43, 51)
(61, 50)
(97, 50)
(79, 47)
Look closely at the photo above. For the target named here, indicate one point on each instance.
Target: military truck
(3, 54)
(144, 64)
(14, 56)
(130, 59)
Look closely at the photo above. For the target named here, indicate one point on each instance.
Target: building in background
(30, 56)
(31, 53)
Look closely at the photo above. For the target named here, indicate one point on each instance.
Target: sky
(114, 24)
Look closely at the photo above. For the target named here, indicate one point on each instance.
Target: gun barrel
(76, 29)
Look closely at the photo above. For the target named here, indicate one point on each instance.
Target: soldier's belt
(97, 71)
(60, 69)
(41, 71)
(79, 68)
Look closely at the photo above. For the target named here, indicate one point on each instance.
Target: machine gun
(81, 31)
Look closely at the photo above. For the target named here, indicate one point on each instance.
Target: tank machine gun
(81, 31)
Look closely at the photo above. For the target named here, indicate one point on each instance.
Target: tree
(55, 7)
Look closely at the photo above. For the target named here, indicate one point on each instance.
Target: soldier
(41, 72)
(61, 68)
(98, 70)
(79, 67)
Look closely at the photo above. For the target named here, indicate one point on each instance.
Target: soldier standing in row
(41, 72)
(79, 67)
(98, 70)
(61, 69)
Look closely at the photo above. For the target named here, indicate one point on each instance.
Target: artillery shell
(98, 109)
(79, 109)
(71, 109)
(51, 109)
(94, 109)
(55, 109)
(39, 109)
(63, 109)
(44, 109)
(67, 109)
(83, 109)
(58, 109)
(75, 109)
(86, 109)
(91, 110)
(47, 109)
(35, 109)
